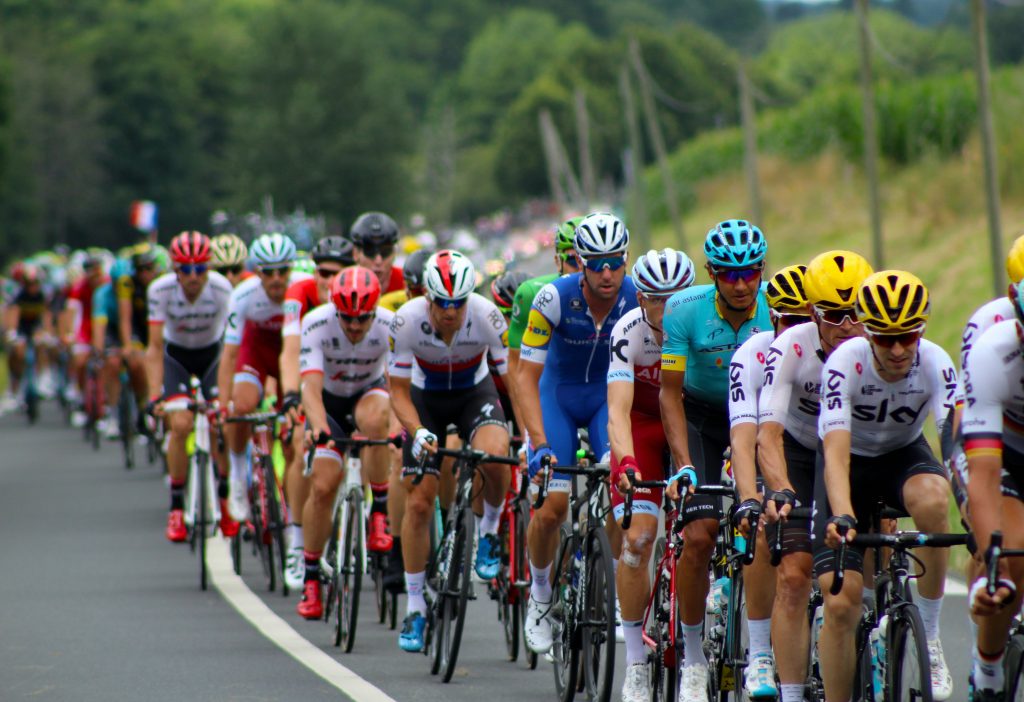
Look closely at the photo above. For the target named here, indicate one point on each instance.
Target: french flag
(143, 215)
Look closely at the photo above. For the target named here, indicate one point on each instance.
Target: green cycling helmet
(565, 235)
(303, 264)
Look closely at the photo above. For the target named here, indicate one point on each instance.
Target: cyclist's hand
(619, 479)
(424, 440)
(155, 406)
(985, 605)
(537, 461)
(778, 504)
(523, 454)
(290, 405)
(672, 490)
(745, 514)
(835, 525)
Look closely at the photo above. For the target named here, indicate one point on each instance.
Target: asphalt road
(98, 606)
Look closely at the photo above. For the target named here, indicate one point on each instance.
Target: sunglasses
(612, 263)
(383, 250)
(144, 269)
(904, 339)
(282, 271)
(570, 258)
(327, 272)
(735, 275)
(190, 268)
(450, 304)
(837, 317)
(351, 318)
(233, 270)
(790, 319)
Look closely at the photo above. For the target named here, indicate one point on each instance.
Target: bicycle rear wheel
(350, 580)
(565, 639)
(504, 591)
(456, 595)
(598, 628)
(908, 669)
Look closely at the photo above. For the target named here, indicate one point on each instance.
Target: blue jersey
(700, 342)
(104, 304)
(562, 335)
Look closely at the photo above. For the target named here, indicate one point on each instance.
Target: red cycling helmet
(190, 247)
(355, 291)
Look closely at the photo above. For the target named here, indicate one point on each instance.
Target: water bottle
(818, 622)
(876, 648)
(880, 653)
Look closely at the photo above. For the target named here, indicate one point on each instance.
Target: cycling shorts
(651, 453)
(180, 364)
(467, 409)
(258, 357)
(800, 467)
(341, 412)
(565, 409)
(872, 478)
(707, 432)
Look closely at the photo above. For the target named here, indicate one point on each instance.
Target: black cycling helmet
(374, 228)
(333, 248)
(503, 288)
(412, 269)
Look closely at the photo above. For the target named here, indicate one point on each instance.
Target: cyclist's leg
(246, 393)
(396, 508)
(373, 417)
(483, 421)
(110, 376)
(16, 364)
(180, 423)
(137, 375)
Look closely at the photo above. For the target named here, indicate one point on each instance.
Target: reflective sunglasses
(612, 263)
(905, 339)
(350, 318)
(450, 304)
(232, 270)
(190, 268)
(837, 317)
(790, 319)
(735, 275)
(327, 272)
(281, 271)
(382, 250)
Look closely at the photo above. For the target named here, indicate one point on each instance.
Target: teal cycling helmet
(735, 243)
(272, 250)
(122, 268)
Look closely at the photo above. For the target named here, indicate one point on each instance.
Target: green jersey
(521, 307)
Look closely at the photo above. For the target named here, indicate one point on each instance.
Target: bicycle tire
(863, 685)
(276, 523)
(908, 670)
(378, 562)
(126, 422)
(331, 558)
(522, 578)
(736, 649)
(437, 568)
(504, 594)
(599, 617)
(661, 661)
(458, 595)
(262, 538)
(351, 578)
(236, 552)
(1015, 665)
(202, 518)
(565, 638)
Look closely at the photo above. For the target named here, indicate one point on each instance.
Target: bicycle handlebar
(900, 541)
(470, 455)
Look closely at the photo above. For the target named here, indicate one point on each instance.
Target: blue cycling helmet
(122, 268)
(735, 243)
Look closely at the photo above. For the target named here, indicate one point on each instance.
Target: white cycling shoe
(637, 686)
(295, 569)
(942, 681)
(693, 684)
(759, 678)
(537, 631)
(238, 502)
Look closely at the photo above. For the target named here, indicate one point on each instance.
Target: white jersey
(792, 383)
(986, 316)
(883, 416)
(348, 368)
(746, 376)
(191, 325)
(636, 358)
(418, 352)
(994, 382)
(252, 312)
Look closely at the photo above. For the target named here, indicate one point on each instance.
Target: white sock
(930, 612)
(295, 536)
(693, 650)
(988, 674)
(636, 650)
(792, 692)
(760, 631)
(489, 522)
(615, 566)
(540, 587)
(414, 586)
(239, 466)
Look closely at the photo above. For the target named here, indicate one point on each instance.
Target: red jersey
(300, 299)
(80, 297)
(397, 281)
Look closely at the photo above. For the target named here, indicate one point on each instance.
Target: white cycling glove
(423, 437)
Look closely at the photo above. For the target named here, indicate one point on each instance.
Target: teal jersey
(700, 342)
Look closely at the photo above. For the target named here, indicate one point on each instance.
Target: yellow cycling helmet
(834, 277)
(785, 291)
(1015, 261)
(228, 250)
(892, 302)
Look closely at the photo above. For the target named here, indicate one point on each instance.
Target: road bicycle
(127, 416)
(1014, 660)
(449, 570)
(93, 402)
(29, 382)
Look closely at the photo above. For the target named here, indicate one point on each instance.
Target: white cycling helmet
(449, 276)
(272, 250)
(601, 233)
(663, 272)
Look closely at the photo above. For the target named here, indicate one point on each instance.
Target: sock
(636, 650)
(177, 494)
(988, 672)
(868, 594)
(294, 535)
(312, 565)
(792, 692)
(414, 587)
(239, 466)
(760, 632)
(380, 498)
(540, 587)
(615, 566)
(693, 651)
(489, 522)
(222, 487)
(930, 612)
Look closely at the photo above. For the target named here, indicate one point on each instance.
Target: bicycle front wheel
(350, 580)
(454, 600)
(908, 669)
(200, 529)
(126, 421)
(599, 618)
(504, 591)
(1015, 666)
(662, 660)
(521, 575)
(565, 640)
(275, 521)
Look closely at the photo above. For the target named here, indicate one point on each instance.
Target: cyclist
(637, 441)
(503, 292)
(877, 393)
(27, 316)
(439, 376)
(329, 256)
(374, 236)
(228, 254)
(562, 378)
(412, 277)
(76, 325)
(344, 355)
(993, 440)
(565, 263)
(703, 327)
(187, 313)
(252, 346)
(787, 437)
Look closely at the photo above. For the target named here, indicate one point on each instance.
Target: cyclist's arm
(837, 471)
(289, 363)
(48, 321)
(513, 368)
(11, 316)
(313, 401)
(984, 496)
(620, 427)
(155, 357)
(124, 323)
(401, 402)
(226, 372)
(99, 319)
(743, 440)
(771, 456)
(529, 400)
(673, 416)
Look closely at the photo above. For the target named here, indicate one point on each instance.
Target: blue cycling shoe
(488, 557)
(411, 638)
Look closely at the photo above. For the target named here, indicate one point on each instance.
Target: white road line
(250, 606)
